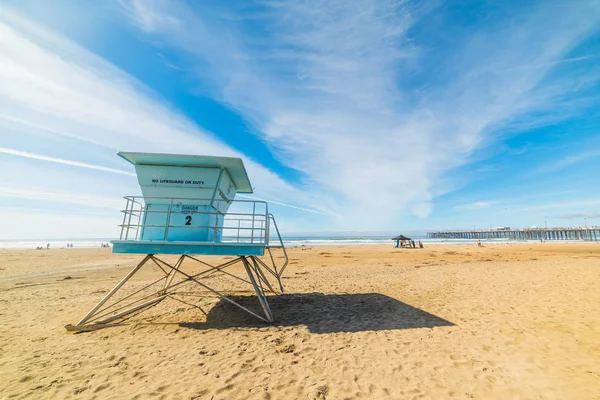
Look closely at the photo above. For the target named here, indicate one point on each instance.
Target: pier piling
(581, 234)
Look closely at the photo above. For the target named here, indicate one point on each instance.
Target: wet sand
(500, 322)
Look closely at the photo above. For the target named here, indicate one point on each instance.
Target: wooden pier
(587, 234)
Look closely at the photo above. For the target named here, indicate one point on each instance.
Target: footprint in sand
(290, 348)
(101, 387)
(225, 388)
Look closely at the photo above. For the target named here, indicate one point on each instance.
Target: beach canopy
(401, 237)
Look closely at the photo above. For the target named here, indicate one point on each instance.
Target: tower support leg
(173, 272)
(258, 289)
(114, 290)
(105, 312)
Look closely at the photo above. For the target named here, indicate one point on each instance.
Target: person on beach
(478, 243)
(48, 246)
(420, 244)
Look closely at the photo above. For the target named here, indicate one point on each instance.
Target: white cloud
(46, 196)
(68, 198)
(329, 89)
(53, 85)
(478, 205)
(568, 161)
(563, 205)
(282, 204)
(589, 215)
(53, 92)
(62, 161)
(44, 224)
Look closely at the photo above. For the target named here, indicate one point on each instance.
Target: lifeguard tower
(188, 208)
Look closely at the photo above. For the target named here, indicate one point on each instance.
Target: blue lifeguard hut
(188, 208)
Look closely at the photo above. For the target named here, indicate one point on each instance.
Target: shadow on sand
(323, 313)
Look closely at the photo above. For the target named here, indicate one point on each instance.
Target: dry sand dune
(460, 322)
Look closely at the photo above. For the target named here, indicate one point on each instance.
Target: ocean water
(291, 241)
(382, 240)
(54, 243)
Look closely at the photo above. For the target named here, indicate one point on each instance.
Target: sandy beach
(515, 321)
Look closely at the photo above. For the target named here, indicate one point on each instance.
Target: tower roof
(234, 166)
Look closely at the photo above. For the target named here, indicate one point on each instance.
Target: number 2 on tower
(188, 220)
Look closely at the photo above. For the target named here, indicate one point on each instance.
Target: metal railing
(244, 221)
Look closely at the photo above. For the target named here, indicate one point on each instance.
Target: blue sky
(350, 115)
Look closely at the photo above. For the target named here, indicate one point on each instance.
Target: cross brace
(105, 313)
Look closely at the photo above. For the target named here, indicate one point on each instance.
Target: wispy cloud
(350, 93)
(563, 205)
(40, 157)
(66, 197)
(53, 89)
(27, 224)
(589, 215)
(334, 89)
(92, 201)
(310, 210)
(553, 63)
(478, 205)
(568, 161)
